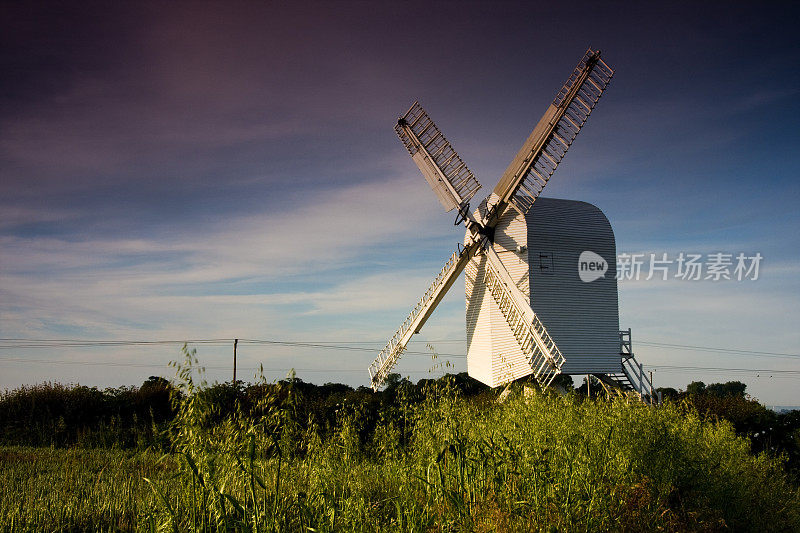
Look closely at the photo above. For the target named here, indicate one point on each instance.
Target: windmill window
(546, 263)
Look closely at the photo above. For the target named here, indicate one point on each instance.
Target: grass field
(536, 462)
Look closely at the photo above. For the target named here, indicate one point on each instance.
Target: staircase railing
(540, 350)
(633, 370)
(631, 376)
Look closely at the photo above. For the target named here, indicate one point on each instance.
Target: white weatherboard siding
(479, 329)
(493, 354)
(582, 318)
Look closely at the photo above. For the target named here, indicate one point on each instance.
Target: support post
(235, 343)
(641, 380)
(630, 342)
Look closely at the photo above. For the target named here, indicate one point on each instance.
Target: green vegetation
(768, 431)
(441, 455)
(53, 414)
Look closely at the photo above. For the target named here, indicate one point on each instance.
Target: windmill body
(527, 305)
(541, 252)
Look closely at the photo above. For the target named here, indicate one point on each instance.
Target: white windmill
(558, 257)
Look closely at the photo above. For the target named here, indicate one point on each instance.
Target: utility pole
(235, 343)
(652, 388)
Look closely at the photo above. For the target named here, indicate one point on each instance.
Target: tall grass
(48, 489)
(536, 462)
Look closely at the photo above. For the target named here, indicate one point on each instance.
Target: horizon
(200, 171)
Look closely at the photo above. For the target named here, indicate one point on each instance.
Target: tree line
(58, 415)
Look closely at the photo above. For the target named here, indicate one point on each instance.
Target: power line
(664, 368)
(35, 343)
(72, 343)
(772, 372)
(668, 368)
(10, 343)
(340, 347)
(729, 351)
(67, 343)
(21, 343)
(205, 367)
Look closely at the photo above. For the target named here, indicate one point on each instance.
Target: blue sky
(203, 170)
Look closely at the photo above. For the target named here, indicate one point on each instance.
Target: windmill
(519, 256)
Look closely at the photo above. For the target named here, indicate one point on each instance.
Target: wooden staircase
(631, 379)
(537, 345)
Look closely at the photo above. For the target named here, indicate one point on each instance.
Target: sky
(177, 171)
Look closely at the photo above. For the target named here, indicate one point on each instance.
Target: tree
(591, 386)
(667, 392)
(154, 383)
(565, 381)
(730, 388)
(392, 381)
(696, 387)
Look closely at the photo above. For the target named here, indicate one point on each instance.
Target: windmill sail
(518, 188)
(540, 350)
(448, 176)
(531, 168)
(387, 358)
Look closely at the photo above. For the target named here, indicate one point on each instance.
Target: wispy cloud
(94, 283)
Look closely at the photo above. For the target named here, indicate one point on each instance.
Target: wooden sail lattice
(450, 178)
(387, 357)
(544, 149)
